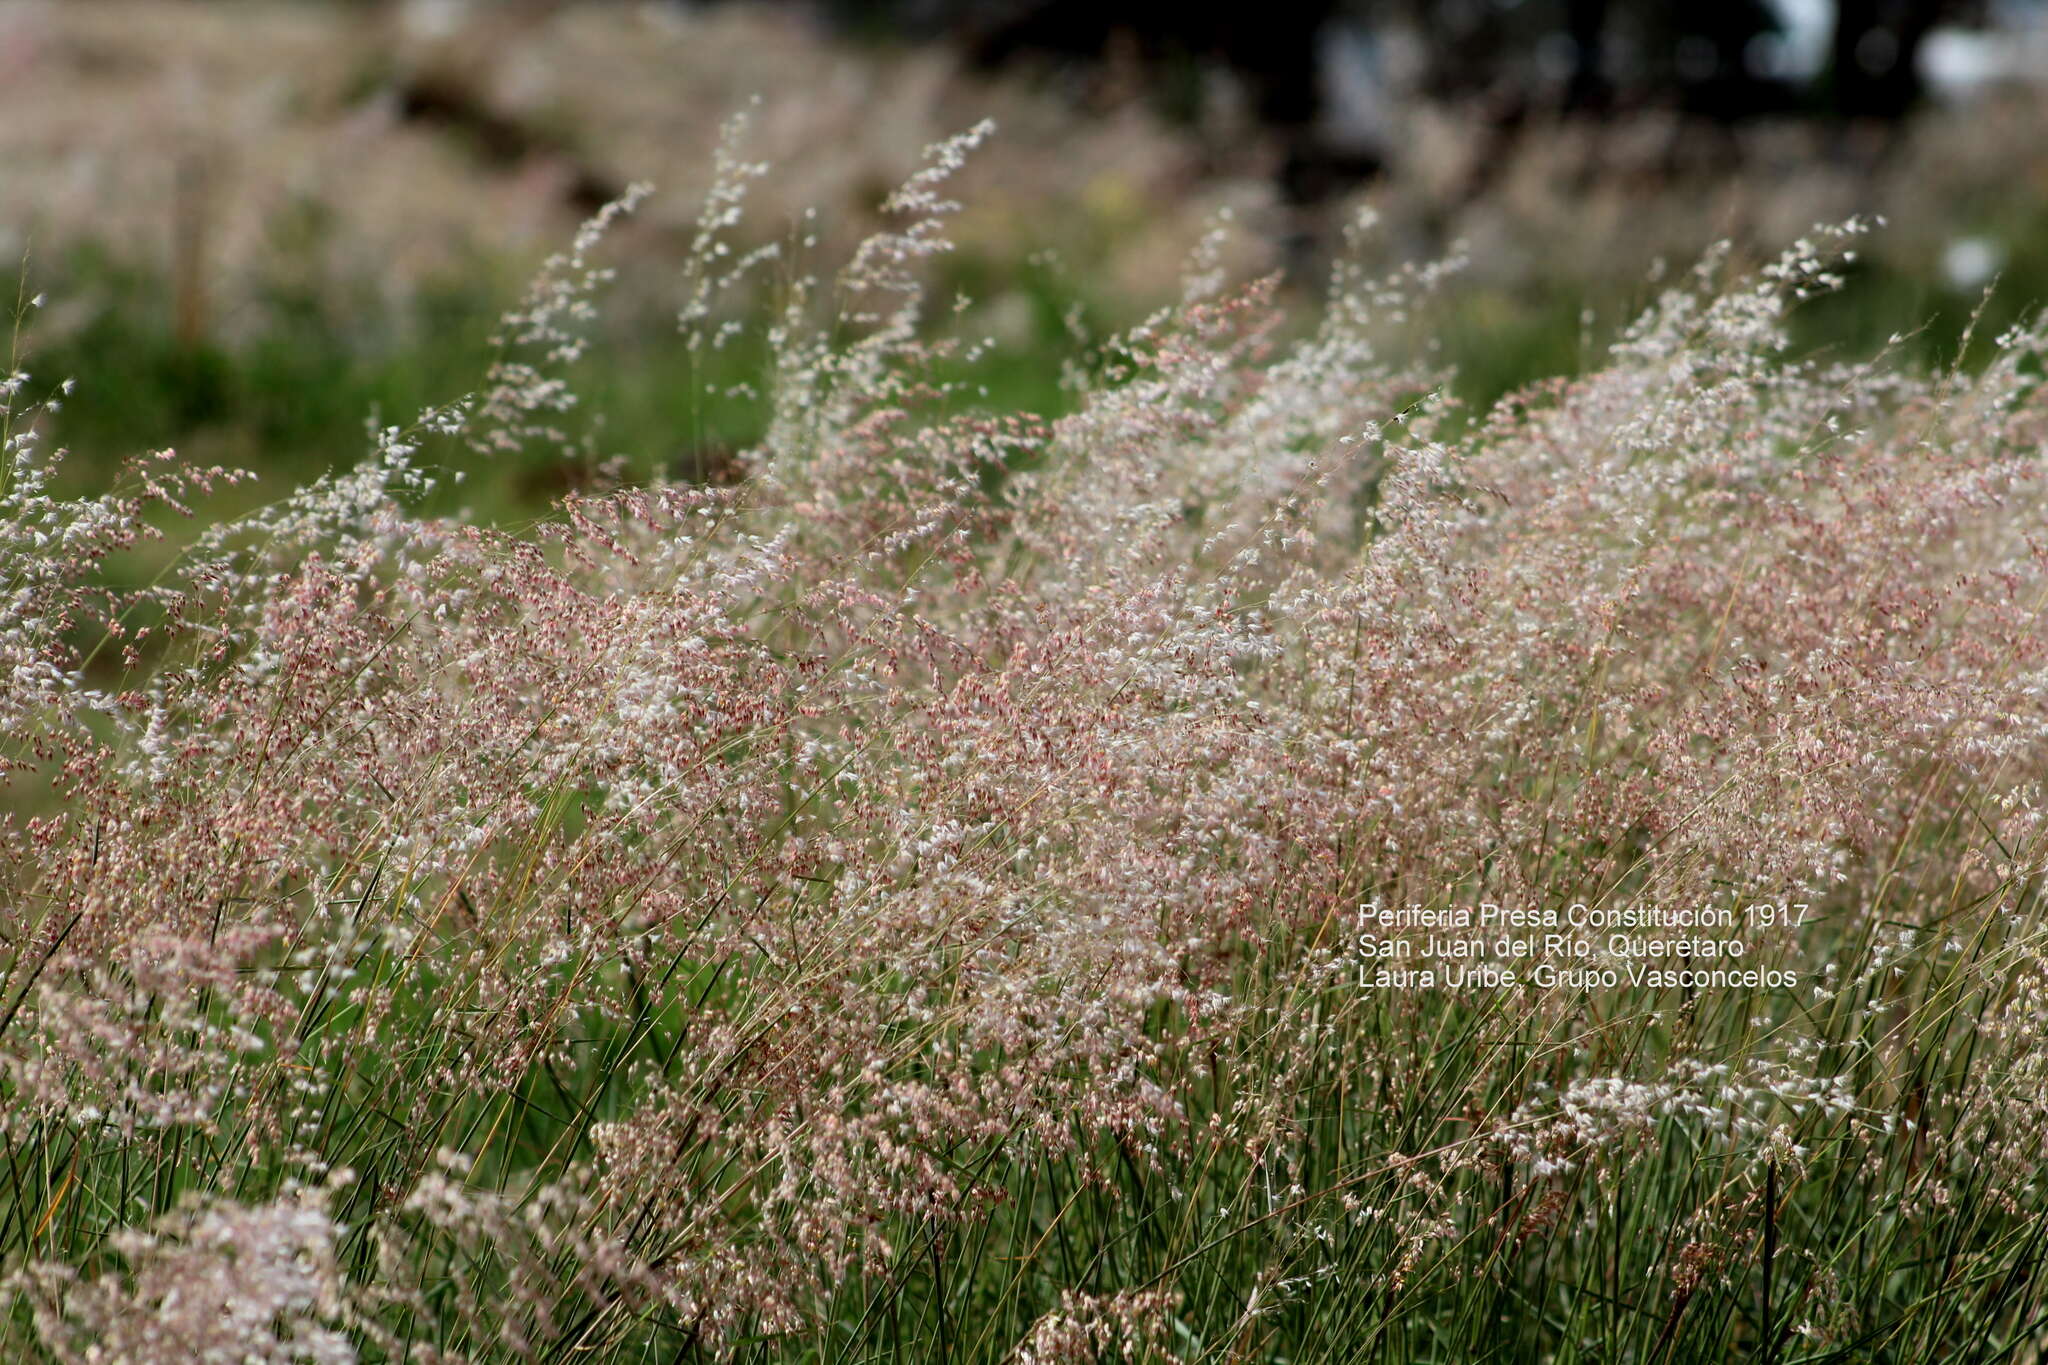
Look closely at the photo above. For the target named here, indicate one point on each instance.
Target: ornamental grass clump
(907, 904)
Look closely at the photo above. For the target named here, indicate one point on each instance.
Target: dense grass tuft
(905, 903)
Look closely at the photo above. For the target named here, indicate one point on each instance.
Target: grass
(902, 903)
(289, 395)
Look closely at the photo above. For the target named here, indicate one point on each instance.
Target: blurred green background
(259, 224)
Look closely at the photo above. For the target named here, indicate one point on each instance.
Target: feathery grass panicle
(906, 905)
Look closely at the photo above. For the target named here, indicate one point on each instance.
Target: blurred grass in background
(262, 226)
(291, 398)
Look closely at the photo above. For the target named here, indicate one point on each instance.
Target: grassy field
(913, 898)
(257, 223)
